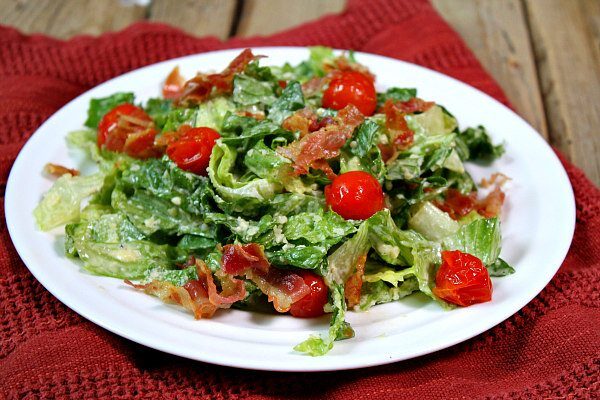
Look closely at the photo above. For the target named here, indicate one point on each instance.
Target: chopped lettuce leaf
(109, 246)
(177, 277)
(151, 214)
(339, 329)
(237, 195)
(480, 238)
(301, 256)
(317, 228)
(342, 262)
(500, 268)
(62, 203)
(361, 153)
(432, 222)
(291, 99)
(479, 145)
(432, 122)
(378, 292)
(396, 94)
(265, 162)
(248, 91)
(392, 244)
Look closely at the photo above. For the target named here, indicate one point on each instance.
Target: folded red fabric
(549, 349)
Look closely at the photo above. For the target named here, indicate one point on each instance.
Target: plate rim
(10, 204)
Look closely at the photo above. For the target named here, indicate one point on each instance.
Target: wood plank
(63, 19)
(262, 17)
(566, 43)
(201, 18)
(497, 33)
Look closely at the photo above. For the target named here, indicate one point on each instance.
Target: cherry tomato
(355, 195)
(191, 152)
(462, 279)
(127, 129)
(312, 304)
(351, 87)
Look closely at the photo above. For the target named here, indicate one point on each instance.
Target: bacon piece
(167, 138)
(238, 258)
(342, 63)
(402, 137)
(200, 296)
(173, 86)
(496, 179)
(414, 105)
(192, 296)
(491, 205)
(202, 86)
(314, 86)
(58, 170)
(457, 205)
(232, 289)
(303, 121)
(282, 287)
(323, 144)
(354, 282)
(259, 116)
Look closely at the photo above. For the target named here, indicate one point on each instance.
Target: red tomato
(462, 279)
(191, 152)
(127, 129)
(351, 87)
(355, 195)
(312, 304)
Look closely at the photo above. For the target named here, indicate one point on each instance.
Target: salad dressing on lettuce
(293, 189)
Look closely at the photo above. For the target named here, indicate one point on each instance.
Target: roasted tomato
(312, 304)
(191, 151)
(462, 279)
(127, 129)
(355, 195)
(351, 87)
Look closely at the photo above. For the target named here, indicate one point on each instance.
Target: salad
(293, 189)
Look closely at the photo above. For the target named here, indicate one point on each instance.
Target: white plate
(538, 223)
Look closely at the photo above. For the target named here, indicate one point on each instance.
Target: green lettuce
(109, 245)
(291, 99)
(480, 238)
(396, 94)
(477, 145)
(248, 91)
(339, 329)
(237, 195)
(361, 152)
(62, 203)
(378, 292)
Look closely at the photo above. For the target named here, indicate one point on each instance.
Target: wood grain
(262, 17)
(566, 45)
(200, 18)
(497, 33)
(66, 18)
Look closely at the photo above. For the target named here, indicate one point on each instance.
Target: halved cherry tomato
(462, 279)
(127, 129)
(355, 195)
(312, 304)
(351, 87)
(191, 151)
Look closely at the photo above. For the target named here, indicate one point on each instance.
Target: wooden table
(544, 53)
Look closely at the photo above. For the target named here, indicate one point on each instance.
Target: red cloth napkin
(549, 349)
